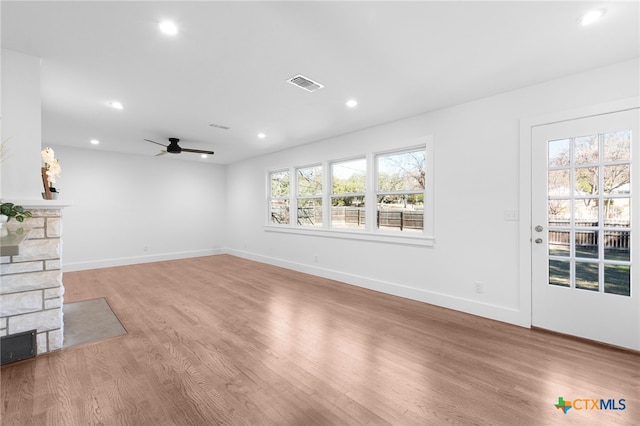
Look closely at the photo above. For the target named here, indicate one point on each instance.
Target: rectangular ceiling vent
(305, 83)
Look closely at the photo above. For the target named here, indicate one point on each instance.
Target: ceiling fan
(174, 148)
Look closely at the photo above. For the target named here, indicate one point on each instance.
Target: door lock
(538, 240)
(539, 228)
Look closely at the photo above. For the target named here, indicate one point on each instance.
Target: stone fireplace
(31, 288)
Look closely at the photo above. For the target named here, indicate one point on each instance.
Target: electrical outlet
(479, 287)
(145, 248)
(315, 258)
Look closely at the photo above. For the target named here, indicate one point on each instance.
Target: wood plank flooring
(223, 340)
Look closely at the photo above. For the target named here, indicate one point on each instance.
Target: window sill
(383, 237)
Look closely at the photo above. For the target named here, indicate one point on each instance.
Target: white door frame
(526, 225)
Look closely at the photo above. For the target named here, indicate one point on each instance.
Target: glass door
(584, 179)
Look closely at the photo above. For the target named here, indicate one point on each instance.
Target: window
(400, 191)
(309, 196)
(348, 182)
(279, 197)
(383, 196)
(589, 212)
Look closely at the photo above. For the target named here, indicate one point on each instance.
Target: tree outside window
(309, 196)
(400, 190)
(279, 197)
(348, 180)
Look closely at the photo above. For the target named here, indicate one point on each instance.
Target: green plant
(11, 210)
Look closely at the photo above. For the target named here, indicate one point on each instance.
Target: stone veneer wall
(31, 289)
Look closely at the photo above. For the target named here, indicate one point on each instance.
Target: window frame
(333, 195)
(299, 197)
(371, 232)
(378, 192)
(271, 198)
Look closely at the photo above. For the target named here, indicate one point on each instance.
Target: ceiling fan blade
(157, 143)
(197, 151)
(161, 153)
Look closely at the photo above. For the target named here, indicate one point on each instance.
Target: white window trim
(380, 236)
(270, 197)
(426, 231)
(371, 232)
(298, 197)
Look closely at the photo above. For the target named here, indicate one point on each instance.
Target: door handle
(538, 228)
(538, 240)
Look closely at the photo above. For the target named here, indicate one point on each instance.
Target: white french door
(585, 239)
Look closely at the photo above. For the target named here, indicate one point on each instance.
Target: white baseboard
(474, 307)
(123, 261)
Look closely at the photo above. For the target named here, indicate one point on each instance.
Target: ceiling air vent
(305, 83)
(219, 126)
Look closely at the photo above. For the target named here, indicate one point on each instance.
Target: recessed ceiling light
(203, 155)
(116, 105)
(261, 135)
(168, 28)
(95, 142)
(352, 103)
(592, 16)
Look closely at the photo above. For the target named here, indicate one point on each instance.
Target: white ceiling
(229, 64)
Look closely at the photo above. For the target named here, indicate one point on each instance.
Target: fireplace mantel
(39, 204)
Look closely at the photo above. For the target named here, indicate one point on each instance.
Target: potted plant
(9, 210)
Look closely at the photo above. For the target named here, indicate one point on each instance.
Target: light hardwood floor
(223, 340)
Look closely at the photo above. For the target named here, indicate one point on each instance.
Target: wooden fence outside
(354, 216)
(613, 239)
(398, 219)
(402, 219)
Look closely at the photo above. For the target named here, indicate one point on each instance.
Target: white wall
(21, 127)
(124, 203)
(476, 180)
